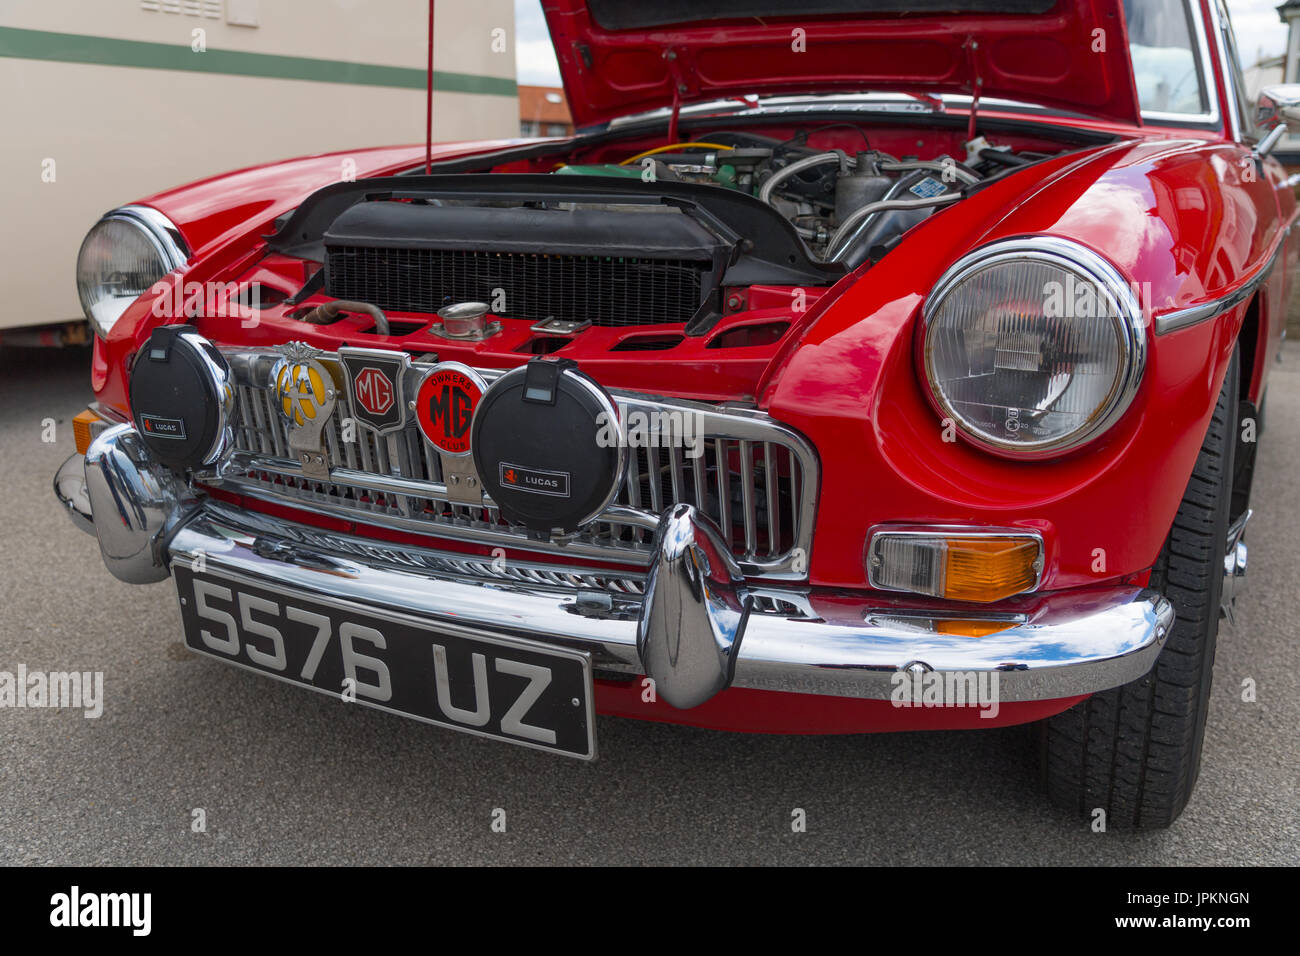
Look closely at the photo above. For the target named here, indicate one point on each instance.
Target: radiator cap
(548, 446)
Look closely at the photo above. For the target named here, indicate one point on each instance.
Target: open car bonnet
(620, 57)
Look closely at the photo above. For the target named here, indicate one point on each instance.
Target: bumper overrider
(697, 628)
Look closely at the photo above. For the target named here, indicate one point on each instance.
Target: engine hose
(327, 312)
(952, 168)
(781, 175)
(1000, 157)
(673, 146)
(835, 248)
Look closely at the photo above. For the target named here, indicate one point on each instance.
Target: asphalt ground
(286, 776)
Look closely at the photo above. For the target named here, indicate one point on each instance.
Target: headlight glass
(120, 258)
(1033, 346)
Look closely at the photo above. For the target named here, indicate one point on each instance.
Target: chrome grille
(753, 478)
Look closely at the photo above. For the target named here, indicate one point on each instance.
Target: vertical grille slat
(278, 442)
(699, 477)
(724, 488)
(747, 497)
(363, 448)
(334, 445)
(654, 475)
(675, 471)
(634, 478)
(256, 411)
(795, 478)
(771, 500)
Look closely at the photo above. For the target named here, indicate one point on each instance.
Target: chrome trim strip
(108, 413)
(630, 555)
(1206, 65)
(1057, 645)
(1236, 123)
(285, 539)
(1195, 314)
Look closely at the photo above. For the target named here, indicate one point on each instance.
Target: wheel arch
(1252, 340)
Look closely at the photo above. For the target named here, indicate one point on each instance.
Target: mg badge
(375, 387)
(445, 403)
(305, 395)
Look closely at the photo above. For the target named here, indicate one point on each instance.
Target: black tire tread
(1135, 750)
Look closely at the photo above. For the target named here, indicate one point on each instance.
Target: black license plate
(501, 687)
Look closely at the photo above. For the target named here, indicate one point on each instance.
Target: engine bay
(670, 235)
(842, 203)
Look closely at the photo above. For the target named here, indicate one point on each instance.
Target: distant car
(763, 403)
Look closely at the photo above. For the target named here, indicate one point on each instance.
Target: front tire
(1135, 750)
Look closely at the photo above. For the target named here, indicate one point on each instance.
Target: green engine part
(601, 169)
(725, 176)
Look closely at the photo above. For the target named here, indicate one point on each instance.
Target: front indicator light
(85, 426)
(980, 568)
(972, 628)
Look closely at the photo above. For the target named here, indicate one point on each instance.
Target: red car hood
(619, 57)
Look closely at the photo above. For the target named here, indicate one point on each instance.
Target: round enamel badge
(445, 403)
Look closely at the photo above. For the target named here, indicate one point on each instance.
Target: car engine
(655, 239)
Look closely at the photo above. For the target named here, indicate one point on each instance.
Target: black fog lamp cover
(548, 446)
(181, 397)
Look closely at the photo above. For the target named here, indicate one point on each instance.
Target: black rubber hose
(329, 311)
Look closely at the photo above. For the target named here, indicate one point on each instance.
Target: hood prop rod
(976, 82)
(428, 111)
(679, 87)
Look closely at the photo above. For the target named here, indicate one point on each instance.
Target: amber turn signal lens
(83, 429)
(989, 569)
(971, 628)
(957, 567)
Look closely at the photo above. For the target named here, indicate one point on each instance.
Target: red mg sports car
(879, 365)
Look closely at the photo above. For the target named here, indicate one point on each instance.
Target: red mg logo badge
(375, 387)
(374, 391)
(444, 406)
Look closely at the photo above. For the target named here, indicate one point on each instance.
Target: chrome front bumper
(696, 629)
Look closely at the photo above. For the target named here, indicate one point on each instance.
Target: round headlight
(1033, 346)
(124, 253)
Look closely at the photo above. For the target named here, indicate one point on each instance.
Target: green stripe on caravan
(110, 51)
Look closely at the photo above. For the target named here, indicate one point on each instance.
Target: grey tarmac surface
(286, 776)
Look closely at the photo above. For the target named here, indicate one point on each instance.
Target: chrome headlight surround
(107, 281)
(1123, 317)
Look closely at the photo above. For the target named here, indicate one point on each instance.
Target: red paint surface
(773, 712)
(1051, 59)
